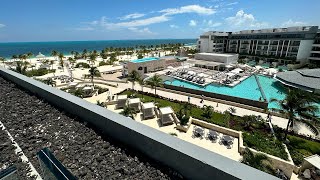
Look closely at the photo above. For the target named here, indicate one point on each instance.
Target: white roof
(73, 84)
(217, 54)
(134, 100)
(109, 68)
(87, 88)
(166, 110)
(314, 160)
(121, 97)
(147, 105)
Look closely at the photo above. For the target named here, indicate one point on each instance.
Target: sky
(71, 20)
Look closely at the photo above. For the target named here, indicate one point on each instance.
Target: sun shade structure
(40, 55)
(148, 110)
(121, 101)
(135, 104)
(166, 117)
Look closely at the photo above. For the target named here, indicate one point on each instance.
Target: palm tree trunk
(287, 130)
(155, 94)
(92, 81)
(142, 90)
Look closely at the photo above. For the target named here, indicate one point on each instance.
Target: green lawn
(300, 148)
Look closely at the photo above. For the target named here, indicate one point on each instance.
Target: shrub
(173, 134)
(82, 64)
(38, 72)
(102, 63)
(101, 89)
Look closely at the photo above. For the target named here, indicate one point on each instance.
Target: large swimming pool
(247, 89)
(144, 60)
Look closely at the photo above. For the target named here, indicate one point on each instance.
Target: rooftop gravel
(88, 154)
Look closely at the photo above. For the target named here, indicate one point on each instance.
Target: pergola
(166, 115)
(148, 110)
(135, 104)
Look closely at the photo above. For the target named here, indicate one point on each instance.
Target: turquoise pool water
(144, 60)
(246, 89)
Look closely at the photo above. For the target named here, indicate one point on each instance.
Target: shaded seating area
(121, 101)
(198, 132)
(213, 135)
(166, 116)
(135, 104)
(227, 141)
(148, 110)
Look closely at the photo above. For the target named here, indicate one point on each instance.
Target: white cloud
(291, 23)
(174, 26)
(143, 31)
(188, 9)
(233, 3)
(241, 19)
(2, 25)
(213, 24)
(132, 16)
(144, 22)
(193, 23)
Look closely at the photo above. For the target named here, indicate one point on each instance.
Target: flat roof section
(217, 54)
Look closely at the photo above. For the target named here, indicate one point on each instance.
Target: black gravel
(86, 152)
(8, 156)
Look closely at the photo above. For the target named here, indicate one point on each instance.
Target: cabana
(166, 116)
(148, 110)
(121, 101)
(135, 104)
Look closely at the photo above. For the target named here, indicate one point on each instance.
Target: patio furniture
(166, 115)
(212, 135)
(148, 110)
(227, 140)
(198, 132)
(135, 104)
(121, 101)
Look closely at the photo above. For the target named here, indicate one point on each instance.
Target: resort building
(152, 64)
(294, 43)
(306, 79)
(213, 60)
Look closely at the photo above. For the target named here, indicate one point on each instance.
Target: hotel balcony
(314, 58)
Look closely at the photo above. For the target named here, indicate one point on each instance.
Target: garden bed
(86, 152)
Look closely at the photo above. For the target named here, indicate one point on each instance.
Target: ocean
(15, 48)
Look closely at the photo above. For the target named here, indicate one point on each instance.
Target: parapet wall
(192, 161)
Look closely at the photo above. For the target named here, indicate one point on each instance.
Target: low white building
(217, 57)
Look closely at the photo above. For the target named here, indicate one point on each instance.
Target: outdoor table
(199, 131)
(228, 139)
(213, 134)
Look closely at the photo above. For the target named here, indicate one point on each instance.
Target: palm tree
(155, 81)
(232, 110)
(84, 54)
(128, 111)
(207, 111)
(133, 77)
(92, 58)
(14, 57)
(21, 67)
(2, 59)
(54, 53)
(258, 161)
(142, 83)
(296, 105)
(29, 55)
(93, 72)
(50, 82)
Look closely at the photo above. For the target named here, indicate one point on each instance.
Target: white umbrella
(201, 75)
(230, 74)
(191, 72)
(87, 88)
(170, 67)
(258, 67)
(40, 55)
(228, 66)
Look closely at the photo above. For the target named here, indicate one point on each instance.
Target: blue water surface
(144, 60)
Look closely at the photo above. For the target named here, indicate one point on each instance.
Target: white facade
(215, 57)
(295, 43)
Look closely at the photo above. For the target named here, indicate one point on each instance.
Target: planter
(184, 128)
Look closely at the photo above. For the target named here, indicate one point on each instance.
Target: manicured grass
(38, 72)
(256, 133)
(300, 148)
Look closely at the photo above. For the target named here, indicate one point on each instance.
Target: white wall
(304, 50)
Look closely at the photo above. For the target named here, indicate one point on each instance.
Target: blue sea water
(15, 48)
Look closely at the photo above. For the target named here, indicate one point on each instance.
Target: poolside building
(152, 64)
(305, 79)
(293, 43)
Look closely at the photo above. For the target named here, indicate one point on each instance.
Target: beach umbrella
(201, 75)
(39, 56)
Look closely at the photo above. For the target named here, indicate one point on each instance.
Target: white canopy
(40, 55)
(230, 74)
(148, 105)
(201, 74)
(170, 67)
(314, 160)
(191, 72)
(166, 110)
(87, 88)
(272, 70)
(258, 67)
(73, 84)
(134, 100)
(236, 71)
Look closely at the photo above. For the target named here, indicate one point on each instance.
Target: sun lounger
(167, 119)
